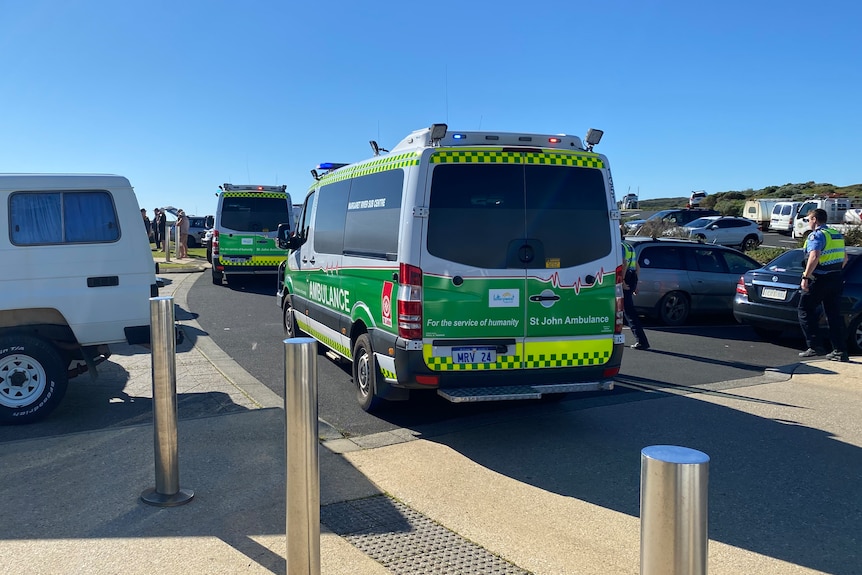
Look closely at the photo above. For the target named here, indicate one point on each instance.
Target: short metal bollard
(167, 492)
(674, 497)
(167, 246)
(302, 525)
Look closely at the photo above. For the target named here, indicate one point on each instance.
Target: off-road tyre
(33, 378)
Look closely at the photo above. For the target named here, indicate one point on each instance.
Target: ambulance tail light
(618, 316)
(409, 302)
(214, 242)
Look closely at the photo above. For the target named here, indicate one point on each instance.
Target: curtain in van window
(89, 217)
(62, 217)
(35, 218)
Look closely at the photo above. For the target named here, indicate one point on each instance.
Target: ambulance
(483, 265)
(244, 236)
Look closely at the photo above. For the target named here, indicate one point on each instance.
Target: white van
(760, 210)
(449, 264)
(783, 214)
(78, 275)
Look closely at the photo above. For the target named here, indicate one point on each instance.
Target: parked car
(726, 230)
(678, 278)
(767, 297)
(207, 243)
(675, 217)
(695, 198)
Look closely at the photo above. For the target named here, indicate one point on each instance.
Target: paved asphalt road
(245, 322)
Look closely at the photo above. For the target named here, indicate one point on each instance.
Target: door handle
(544, 297)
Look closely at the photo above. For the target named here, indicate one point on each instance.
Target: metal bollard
(302, 525)
(673, 510)
(167, 492)
(167, 244)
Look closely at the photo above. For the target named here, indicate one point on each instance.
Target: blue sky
(183, 96)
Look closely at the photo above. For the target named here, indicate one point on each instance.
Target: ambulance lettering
(330, 296)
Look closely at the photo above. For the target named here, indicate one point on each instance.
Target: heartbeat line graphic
(555, 281)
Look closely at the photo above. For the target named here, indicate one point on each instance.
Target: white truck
(77, 276)
(836, 210)
(760, 210)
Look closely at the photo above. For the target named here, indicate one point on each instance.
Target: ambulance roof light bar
(594, 136)
(233, 187)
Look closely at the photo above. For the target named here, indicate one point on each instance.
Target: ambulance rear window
(482, 214)
(253, 213)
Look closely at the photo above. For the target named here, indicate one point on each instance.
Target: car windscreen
(699, 223)
(253, 214)
(483, 214)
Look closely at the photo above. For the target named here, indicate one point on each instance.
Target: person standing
(630, 288)
(157, 228)
(822, 283)
(147, 225)
(163, 229)
(182, 235)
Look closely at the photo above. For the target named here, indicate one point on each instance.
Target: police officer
(630, 287)
(822, 283)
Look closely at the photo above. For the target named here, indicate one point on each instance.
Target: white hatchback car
(726, 231)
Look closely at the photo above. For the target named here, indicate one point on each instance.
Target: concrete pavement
(556, 494)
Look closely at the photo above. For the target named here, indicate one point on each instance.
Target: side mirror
(284, 240)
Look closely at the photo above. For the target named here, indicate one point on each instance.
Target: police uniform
(824, 287)
(630, 282)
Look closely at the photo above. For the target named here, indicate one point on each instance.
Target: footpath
(556, 494)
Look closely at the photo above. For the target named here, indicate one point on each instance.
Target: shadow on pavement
(776, 486)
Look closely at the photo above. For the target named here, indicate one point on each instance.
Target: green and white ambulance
(246, 224)
(485, 265)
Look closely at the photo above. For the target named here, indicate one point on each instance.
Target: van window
(373, 215)
(63, 218)
(786, 210)
(480, 213)
(252, 213)
(331, 215)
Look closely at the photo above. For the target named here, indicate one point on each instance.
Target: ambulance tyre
(291, 328)
(365, 374)
(217, 278)
(33, 378)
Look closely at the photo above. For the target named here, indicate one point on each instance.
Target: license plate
(772, 293)
(474, 355)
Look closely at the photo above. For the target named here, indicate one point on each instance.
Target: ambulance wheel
(365, 374)
(217, 277)
(33, 378)
(291, 328)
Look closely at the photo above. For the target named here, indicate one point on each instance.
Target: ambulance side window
(305, 217)
(374, 215)
(331, 214)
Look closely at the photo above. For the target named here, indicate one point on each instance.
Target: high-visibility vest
(629, 258)
(832, 255)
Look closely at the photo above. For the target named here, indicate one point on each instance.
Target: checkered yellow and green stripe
(498, 156)
(533, 355)
(322, 337)
(254, 261)
(382, 164)
(279, 195)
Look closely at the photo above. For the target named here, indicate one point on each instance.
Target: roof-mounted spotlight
(438, 132)
(315, 175)
(376, 147)
(593, 137)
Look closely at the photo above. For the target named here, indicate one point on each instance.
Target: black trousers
(632, 318)
(825, 289)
